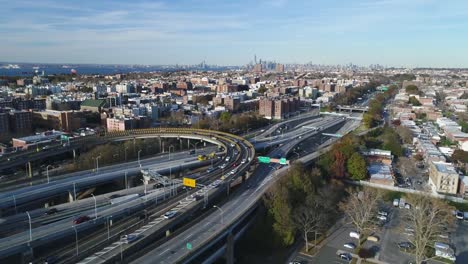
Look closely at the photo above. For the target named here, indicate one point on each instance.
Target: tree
(337, 169)
(460, 156)
(225, 117)
(356, 166)
(310, 218)
(360, 207)
(262, 89)
(411, 89)
(429, 218)
(405, 134)
(280, 208)
(413, 101)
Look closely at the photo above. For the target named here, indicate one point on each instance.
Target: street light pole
(47, 173)
(139, 163)
(14, 203)
(222, 213)
(76, 239)
(30, 226)
(108, 227)
(95, 206)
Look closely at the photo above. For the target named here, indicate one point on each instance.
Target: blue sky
(406, 33)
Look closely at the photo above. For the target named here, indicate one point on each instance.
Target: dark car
(81, 219)
(405, 245)
(52, 211)
(346, 256)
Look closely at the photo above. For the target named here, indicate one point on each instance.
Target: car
(130, 238)
(191, 152)
(81, 219)
(234, 171)
(382, 218)
(170, 214)
(51, 211)
(373, 238)
(345, 256)
(222, 166)
(349, 245)
(383, 213)
(243, 161)
(355, 234)
(405, 245)
(228, 159)
(459, 215)
(210, 169)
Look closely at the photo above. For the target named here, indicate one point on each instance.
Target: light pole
(171, 146)
(108, 227)
(95, 206)
(47, 173)
(144, 183)
(121, 250)
(30, 226)
(222, 214)
(97, 163)
(74, 191)
(76, 239)
(14, 203)
(195, 146)
(139, 163)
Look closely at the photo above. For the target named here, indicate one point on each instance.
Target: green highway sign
(283, 161)
(189, 246)
(264, 159)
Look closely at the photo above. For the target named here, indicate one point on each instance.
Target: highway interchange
(233, 166)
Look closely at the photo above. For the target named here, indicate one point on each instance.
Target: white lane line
(162, 253)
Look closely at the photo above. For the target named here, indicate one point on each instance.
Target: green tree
(262, 89)
(225, 117)
(357, 168)
(413, 101)
(411, 89)
(464, 126)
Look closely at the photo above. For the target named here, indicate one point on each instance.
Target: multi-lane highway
(176, 251)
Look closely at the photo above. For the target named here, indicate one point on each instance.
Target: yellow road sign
(189, 182)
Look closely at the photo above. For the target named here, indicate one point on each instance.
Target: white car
(243, 161)
(349, 245)
(382, 218)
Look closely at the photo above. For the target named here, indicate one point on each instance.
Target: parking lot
(390, 233)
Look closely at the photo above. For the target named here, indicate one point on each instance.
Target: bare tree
(406, 166)
(361, 208)
(310, 218)
(429, 218)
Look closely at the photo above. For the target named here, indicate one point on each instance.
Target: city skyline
(391, 33)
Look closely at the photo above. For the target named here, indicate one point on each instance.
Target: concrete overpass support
(71, 197)
(230, 249)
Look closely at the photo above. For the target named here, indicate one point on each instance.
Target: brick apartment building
(279, 107)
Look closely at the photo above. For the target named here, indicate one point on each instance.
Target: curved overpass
(12, 245)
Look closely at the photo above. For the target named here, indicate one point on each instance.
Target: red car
(81, 219)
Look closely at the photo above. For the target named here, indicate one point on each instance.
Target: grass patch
(389, 196)
(460, 206)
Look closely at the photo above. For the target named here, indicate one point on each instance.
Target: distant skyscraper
(279, 67)
(258, 68)
(255, 58)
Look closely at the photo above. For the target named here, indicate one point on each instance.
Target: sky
(408, 33)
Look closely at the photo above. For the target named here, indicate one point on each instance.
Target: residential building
(21, 122)
(443, 177)
(93, 105)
